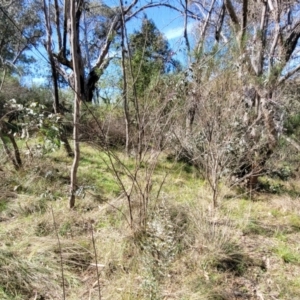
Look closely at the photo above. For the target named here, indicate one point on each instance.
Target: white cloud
(38, 80)
(177, 32)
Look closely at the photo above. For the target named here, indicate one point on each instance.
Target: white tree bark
(77, 100)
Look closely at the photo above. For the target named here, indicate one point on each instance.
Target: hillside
(248, 248)
(149, 150)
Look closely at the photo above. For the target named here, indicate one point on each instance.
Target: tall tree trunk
(77, 100)
(55, 84)
(125, 84)
(57, 109)
(138, 119)
(56, 106)
(190, 117)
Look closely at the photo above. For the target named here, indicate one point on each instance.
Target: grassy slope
(245, 250)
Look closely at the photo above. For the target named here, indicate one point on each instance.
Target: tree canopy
(150, 54)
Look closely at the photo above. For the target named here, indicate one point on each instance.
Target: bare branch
(109, 39)
(185, 27)
(232, 14)
(152, 5)
(292, 142)
(61, 59)
(289, 74)
(244, 19)
(271, 6)
(65, 32)
(291, 41)
(57, 23)
(204, 29)
(220, 24)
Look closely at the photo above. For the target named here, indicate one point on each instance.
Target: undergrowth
(186, 250)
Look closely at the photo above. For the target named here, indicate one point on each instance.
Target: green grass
(254, 227)
(187, 250)
(291, 288)
(287, 254)
(3, 205)
(294, 220)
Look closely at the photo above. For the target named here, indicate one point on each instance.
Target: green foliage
(151, 55)
(271, 186)
(285, 172)
(19, 29)
(12, 89)
(23, 108)
(3, 205)
(65, 228)
(158, 247)
(292, 124)
(32, 115)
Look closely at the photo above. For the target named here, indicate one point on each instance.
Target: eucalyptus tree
(145, 57)
(79, 37)
(19, 32)
(150, 54)
(98, 25)
(266, 34)
(261, 41)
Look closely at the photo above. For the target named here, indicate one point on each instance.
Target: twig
(96, 261)
(60, 254)
(113, 206)
(3, 79)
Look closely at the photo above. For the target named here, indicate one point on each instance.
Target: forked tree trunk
(15, 157)
(66, 144)
(57, 109)
(56, 105)
(77, 99)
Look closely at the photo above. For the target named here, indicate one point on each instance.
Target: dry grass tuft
(21, 278)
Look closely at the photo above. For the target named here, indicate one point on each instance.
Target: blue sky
(169, 22)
